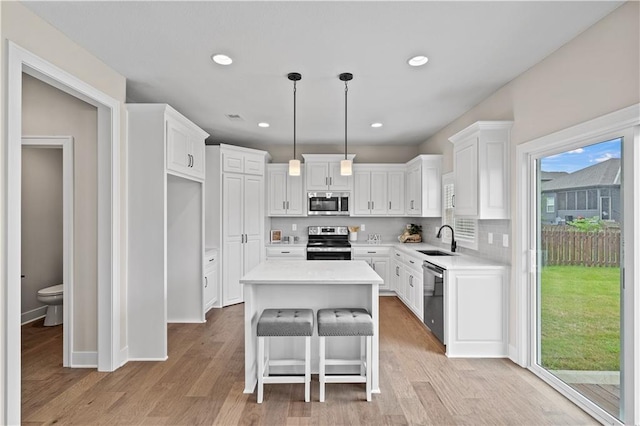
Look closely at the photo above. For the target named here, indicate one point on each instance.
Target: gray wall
(48, 111)
(41, 224)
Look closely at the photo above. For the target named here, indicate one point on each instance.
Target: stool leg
(322, 367)
(267, 354)
(260, 368)
(307, 369)
(368, 368)
(363, 354)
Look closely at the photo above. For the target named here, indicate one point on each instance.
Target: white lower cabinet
(475, 323)
(284, 252)
(413, 285)
(378, 259)
(211, 282)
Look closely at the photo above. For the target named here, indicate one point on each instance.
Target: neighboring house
(592, 191)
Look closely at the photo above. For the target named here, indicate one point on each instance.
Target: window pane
(571, 200)
(562, 201)
(582, 200)
(592, 199)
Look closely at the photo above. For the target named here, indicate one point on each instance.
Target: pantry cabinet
(165, 241)
(235, 213)
(481, 169)
(378, 190)
(423, 186)
(285, 193)
(322, 173)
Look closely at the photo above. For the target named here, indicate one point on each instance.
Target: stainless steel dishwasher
(433, 277)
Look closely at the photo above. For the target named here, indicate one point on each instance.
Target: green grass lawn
(580, 316)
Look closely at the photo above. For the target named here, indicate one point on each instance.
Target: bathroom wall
(48, 111)
(41, 226)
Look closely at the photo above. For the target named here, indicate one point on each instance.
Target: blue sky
(580, 158)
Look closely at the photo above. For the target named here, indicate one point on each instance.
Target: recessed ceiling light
(263, 124)
(376, 125)
(418, 61)
(221, 59)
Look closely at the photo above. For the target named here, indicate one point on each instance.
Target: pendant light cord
(294, 119)
(346, 89)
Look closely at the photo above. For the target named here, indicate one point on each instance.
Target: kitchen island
(315, 284)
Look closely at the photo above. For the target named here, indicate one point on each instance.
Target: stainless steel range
(328, 243)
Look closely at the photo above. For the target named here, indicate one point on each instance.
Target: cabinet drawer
(398, 256)
(210, 261)
(371, 251)
(287, 252)
(413, 263)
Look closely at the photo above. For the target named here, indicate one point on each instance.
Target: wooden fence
(563, 245)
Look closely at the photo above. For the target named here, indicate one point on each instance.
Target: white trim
(87, 359)
(33, 315)
(524, 272)
(19, 61)
(66, 143)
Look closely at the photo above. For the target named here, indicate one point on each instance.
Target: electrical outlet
(362, 227)
(505, 240)
(294, 227)
(490, 237)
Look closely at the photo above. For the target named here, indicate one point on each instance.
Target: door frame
(20, 60)
(66, 144)
(525, 260)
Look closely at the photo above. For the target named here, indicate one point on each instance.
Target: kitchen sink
(435, 253)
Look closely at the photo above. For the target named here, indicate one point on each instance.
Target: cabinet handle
(287, 205)
(206, 282)
(453, 200)
(389, 205)
(397, 271)
(212, 259)
(398, 254)
(372, 205)
(411, 261)
(191, 160)
(373, 252)
(330, 180)
(284, 205)
(326, 181)
(411, 280)
(285, 252)
(373, 265)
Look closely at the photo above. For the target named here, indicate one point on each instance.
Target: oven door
(328, 255)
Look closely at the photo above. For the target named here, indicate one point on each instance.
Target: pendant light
(294, 164)
(346, 168)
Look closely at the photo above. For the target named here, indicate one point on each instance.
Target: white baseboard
(34, 314)
(149, 359)
(513, 355)
(88, 359)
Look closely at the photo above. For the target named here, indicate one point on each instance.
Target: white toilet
(52, 296)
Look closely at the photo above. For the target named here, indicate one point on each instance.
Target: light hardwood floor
(202, 383)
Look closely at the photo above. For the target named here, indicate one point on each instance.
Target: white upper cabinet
(423, 191)
(322, 172)
(185, 146)
(481, 169)
(238, 161)
(286, 193)
(378, 189)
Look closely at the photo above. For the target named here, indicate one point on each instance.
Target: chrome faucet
(453, 239)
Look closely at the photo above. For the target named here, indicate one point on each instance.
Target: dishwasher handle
(432, 269)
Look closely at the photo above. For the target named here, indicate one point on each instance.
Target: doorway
(110, 355)
(551, 303)
(65, 145)
(579, 282)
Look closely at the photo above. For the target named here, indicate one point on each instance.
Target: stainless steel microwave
(328, 203)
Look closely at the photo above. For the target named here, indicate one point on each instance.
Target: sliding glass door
(578, 307)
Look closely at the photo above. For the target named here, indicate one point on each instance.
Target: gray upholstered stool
(284, 322)
(345, 322)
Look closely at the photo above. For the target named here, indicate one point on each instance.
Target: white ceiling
(474, 48)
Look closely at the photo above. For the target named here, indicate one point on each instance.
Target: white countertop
(458, 261)
(312, 272)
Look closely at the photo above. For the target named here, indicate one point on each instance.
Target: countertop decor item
(411, 234)
(276, 236)
(353, 233)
